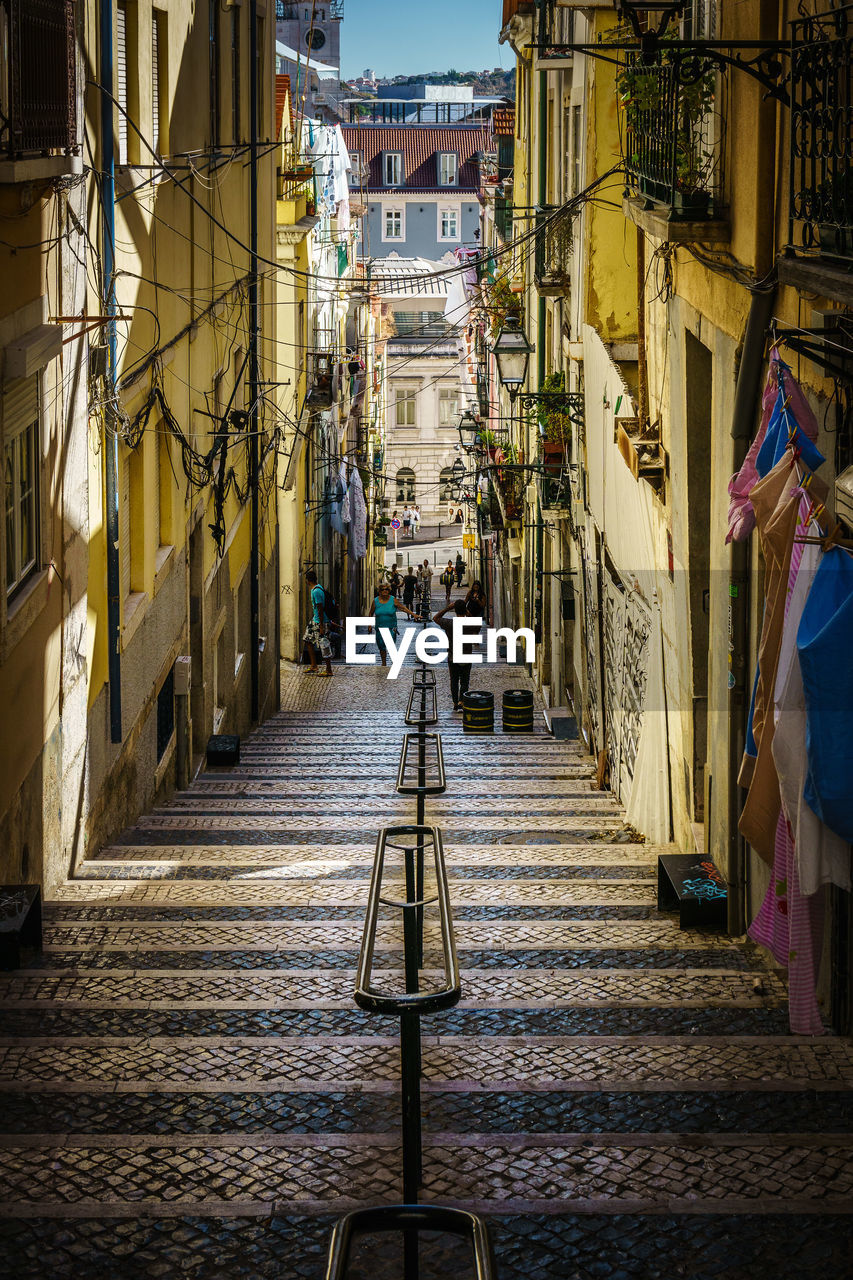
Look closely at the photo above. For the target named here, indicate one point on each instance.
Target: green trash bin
(518, 711)
(478, 712)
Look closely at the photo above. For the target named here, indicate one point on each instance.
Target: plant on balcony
(501, 302)
(659, 102)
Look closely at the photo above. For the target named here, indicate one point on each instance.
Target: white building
(423, 385)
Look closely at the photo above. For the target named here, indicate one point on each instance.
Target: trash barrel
(518, 711)
(478, 712)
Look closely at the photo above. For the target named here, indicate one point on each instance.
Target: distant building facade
(420, 184)
(312, 31)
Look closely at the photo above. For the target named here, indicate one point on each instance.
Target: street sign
(395, 524)
(469, 541)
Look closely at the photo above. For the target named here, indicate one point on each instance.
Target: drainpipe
(109, 304)
(542, 200)
(254, 374)
(743, 422)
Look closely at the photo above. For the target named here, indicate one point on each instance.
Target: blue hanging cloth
(823, 644)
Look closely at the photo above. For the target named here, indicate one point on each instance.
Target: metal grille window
(445, 482)
(406, 405)
(165, 714)
(448, 407)
(405, 485)
(38, 109)
(20, 464)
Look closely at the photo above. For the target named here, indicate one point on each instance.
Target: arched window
(405, 485)
(445, 480)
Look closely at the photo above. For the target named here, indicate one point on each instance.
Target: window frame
(443, 156)
(447, 395)
(388, 156)
(449, 211)
(24, 571)
(391, 210)
(409, 397)
(410, 480)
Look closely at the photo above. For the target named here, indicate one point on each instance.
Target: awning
(286, 54)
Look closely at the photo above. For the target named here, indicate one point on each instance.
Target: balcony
(821, 197)
(503, 217)
(38, 101)
(673, 145)
(552, 254)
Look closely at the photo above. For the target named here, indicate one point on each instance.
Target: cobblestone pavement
(189, 1090)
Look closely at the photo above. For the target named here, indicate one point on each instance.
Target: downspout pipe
(743, 423)
(254, 371)
(107, 80)
(541, 200)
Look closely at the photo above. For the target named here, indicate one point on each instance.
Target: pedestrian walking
(416, 519)
(475, 601)
(395, 582)
(460, 672)
(316, 635)
(407, 519)
(425, 590)
(460, 568)
(410, 583)
(384, 610)
(447, 580)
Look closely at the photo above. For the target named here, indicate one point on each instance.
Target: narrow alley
(189, 1088)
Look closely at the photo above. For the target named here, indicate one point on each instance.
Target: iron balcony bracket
(760, 59)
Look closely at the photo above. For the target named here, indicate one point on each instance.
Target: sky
(403, 37)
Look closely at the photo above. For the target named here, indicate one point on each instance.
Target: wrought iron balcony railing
(553, 253)
(38, 109)
(673, 136)
(821, 208)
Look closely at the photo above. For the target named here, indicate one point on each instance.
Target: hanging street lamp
(469, 433)
(512, 351)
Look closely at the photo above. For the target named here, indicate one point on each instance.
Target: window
(220, 678)
(165, 714)
(405, 485)
(406, 403)
(448, 407)
(242, 607)
(393, 225)
(577, 157)
(159, 100)
(392, 168)
(445, 480)
(235, 74)
(448, 224)
(213, 69)
(20, 465)
(448, 168)
(121, 79)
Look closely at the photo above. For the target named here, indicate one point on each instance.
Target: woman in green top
(384, 610)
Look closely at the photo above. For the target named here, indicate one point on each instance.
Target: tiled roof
(409, 278)
(419, 144)
(503, 121)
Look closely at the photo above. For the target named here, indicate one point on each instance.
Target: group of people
(325, 622)
(474, 605)
(410, 519)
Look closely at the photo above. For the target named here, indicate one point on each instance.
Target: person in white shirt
(407, 519)
(416, 519)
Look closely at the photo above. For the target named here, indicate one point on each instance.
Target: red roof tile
(282, 95)
(503, 121)
(419, 144)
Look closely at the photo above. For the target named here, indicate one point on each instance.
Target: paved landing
(188, 1089)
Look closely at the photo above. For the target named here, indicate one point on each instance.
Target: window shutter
(155, 83)
(20, 404)
(124, 529)
(121, 85)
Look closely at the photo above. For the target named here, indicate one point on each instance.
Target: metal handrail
(411, 1219)
(424, 715)
(421, 787)
(423, 675)
(412, 1000)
